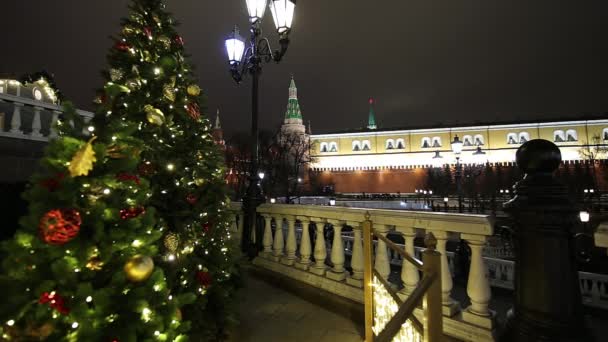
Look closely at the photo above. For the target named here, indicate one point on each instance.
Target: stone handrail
(31, 119)
(235, 210)
(601, 235)
(311, 261)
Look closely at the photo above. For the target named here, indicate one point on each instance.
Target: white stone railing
(30, 119)
(308, 259)
(601, 235)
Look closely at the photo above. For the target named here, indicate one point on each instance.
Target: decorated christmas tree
(126, 236)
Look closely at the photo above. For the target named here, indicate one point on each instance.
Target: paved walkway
(268, 314)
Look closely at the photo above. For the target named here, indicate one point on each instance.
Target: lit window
(390, 144)
(524, 137)
(559, 136)
(426, 142)
(605, 133)
(366, 145)
(571, 135)
(356, 145)
(467, 140)
(436, 142)
(479, 140)
(333, 147)
(511, 138)
(323, 147)
(400, 144)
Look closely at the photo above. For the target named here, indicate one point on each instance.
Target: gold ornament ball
(139, 268)
(94, 264)
(171, 242)
(199, 181)
(194, 90)
(154, 115)
(165, 41)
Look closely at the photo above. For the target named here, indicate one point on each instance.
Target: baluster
(320, 250)
(337, 253)
(356, 260)
(54, 119)
(478, 285)
(381, 263)
(409, 272)
(279, 241)
(450, 307)
(290, 248)
(16, 120)
(305, 247)
(36, 124)
(267, 238)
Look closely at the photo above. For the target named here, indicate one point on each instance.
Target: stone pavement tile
(340, 336)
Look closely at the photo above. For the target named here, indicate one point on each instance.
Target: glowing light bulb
(156, 71)
(89, 299)
(136, 243)
(10, 323)
(170, 167)
(75, 325)
(106, 191)
(91, 128)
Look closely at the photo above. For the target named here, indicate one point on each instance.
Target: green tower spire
(293, 106)
(371, 120)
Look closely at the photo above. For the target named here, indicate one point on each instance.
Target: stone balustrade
(29, 119)
(601, 235)
(320, 262)
(236, 216)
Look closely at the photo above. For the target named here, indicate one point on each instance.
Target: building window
(390, 144)
(366, 145)
(559, 136)
(426, 142)
(511, 138)
(467, 140)
(479, 140)
(333, 147)
(400, 144)
(324, 147)
(356, 145)
(524, 137)
(571, 135)
(605, 133)
(436, 142)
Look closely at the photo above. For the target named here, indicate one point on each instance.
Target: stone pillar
(409, 272)
(36, 124)
(450, 307)
(319, 267)
(305, 247)
(381, 262)
(478, 285)
(267, 238)
(356, 260)
(547, 298)
(54, 120)
(279, 241)
(16, 120)
(337, 253)
(290, 247)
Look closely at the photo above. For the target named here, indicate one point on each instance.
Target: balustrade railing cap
(538, 156)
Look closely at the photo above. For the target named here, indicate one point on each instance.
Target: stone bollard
(547, 298)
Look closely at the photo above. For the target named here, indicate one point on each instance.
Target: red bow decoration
(179, 40)
(204, 278)
(52, 183)
(55, 301)
(131, 212)
(127, 177)
(122, 46)
(193, 110)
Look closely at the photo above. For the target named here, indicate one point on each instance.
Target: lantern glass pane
(235, 49)
(282, 14)
(256, 9)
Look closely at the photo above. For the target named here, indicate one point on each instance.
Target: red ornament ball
(59, 226)
(178, 40)
(55, 301)
(122, 46)
(52, 184)
(130, 213)
(206, 227)
(145, 169)
(204, 278)
(192, 199)
(127, 177)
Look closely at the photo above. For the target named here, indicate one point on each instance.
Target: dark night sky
(426, 61)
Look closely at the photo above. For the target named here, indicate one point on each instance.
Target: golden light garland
(385, 307)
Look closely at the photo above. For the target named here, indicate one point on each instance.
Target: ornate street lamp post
(457, 149)
(248, 58)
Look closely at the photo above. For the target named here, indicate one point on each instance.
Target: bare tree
(286, 161)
